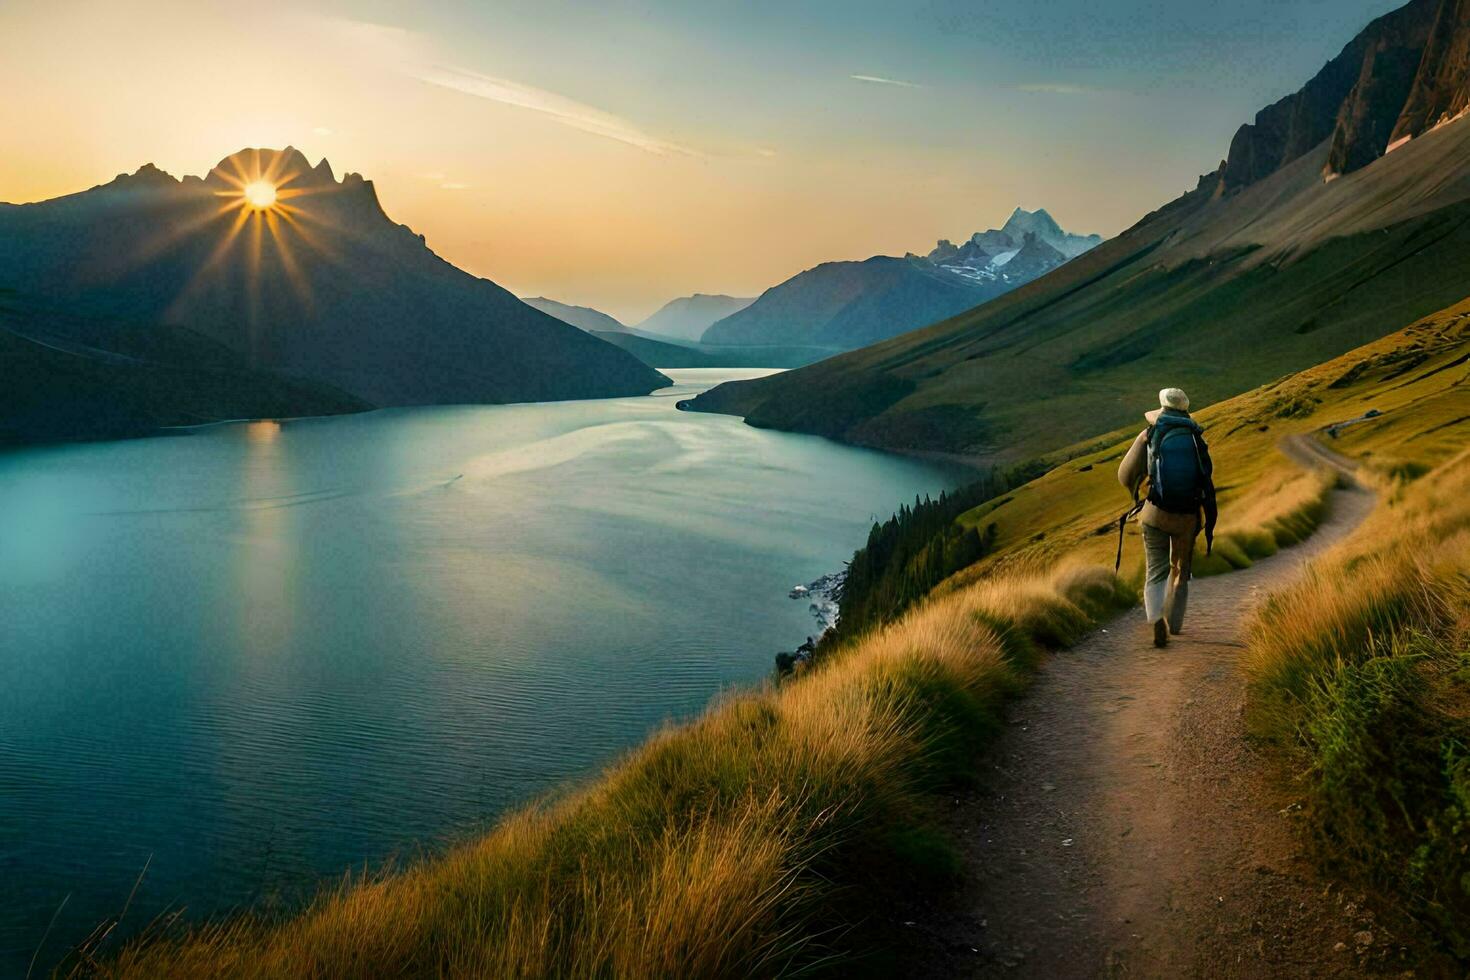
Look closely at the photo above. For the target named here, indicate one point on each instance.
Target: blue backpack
(1178, 465)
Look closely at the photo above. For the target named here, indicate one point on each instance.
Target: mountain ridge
(843, 305)
(322, 285)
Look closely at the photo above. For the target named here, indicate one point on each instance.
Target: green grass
(1266, 501)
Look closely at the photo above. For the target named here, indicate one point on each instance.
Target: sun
(260, 194)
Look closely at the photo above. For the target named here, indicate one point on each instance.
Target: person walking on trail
(1172, 456)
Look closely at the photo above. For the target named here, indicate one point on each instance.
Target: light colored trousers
(1166, 579)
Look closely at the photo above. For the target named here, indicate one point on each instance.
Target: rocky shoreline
(823, 594)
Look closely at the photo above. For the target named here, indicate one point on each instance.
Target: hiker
(1171, 453)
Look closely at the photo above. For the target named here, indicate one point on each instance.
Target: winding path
(1126, 827)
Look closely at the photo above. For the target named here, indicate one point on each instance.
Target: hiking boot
(1161, 633)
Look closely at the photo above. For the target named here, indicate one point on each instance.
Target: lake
(252, 656)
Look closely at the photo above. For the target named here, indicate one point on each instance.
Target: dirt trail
(1125, 826)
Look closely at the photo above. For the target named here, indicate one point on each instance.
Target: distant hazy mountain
(1340, 214)
(660, 351)
(688, 317)
(680, 354)
(581, 317)
(320, 286)
(842, 305)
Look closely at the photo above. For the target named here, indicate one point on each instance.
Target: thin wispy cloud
(566, 111)
(880, 80)
(1057, 88)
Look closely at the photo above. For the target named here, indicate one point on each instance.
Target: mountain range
(839, 306)
(319, 289)
(1340, 214)
(662, 351)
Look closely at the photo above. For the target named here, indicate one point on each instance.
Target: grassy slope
(758, 838)
(1414, 378)
(1216, 295)
(1361, 672)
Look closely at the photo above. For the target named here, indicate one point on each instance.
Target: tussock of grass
(1361, 668)
(750, 842)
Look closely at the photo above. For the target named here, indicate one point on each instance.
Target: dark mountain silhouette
(839, 306)
(59, 384)
(321, 286)
(688, 317)
(1323, 229)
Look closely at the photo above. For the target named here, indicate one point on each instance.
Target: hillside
(320, 284)
(688, 317)
(581, 317)
(58, 386)
(838, 306)
(1280, 259)
(1401, 404)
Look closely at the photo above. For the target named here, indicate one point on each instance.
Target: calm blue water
(256, 655)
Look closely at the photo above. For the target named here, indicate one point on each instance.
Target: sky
(620, 153)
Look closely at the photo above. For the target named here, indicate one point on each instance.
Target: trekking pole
(1122, 521)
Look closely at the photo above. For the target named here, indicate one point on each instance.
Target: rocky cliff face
(1441, 86)
(1391, 58)
(1407, 72)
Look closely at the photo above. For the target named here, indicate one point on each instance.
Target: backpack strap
(1148, 462)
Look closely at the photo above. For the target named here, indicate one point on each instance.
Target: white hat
(1174, 398)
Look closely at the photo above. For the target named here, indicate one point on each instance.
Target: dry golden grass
(749, 842)
(1407, 567)
(1361, 671)
(1281, 508)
